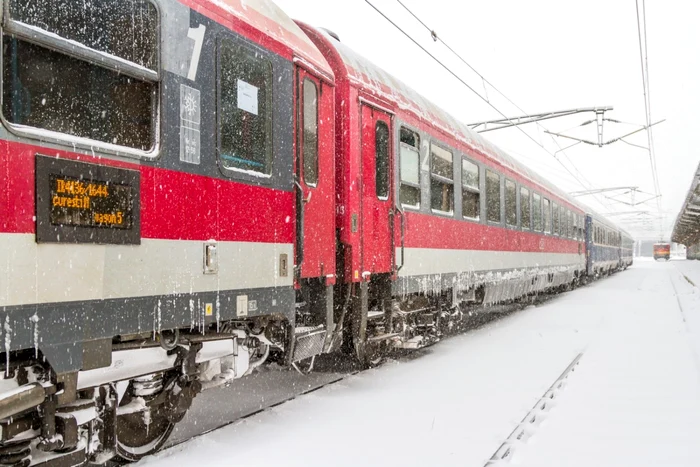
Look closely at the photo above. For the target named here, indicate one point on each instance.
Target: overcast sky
(551, 55)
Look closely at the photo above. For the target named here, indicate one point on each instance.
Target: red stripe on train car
(180, 206)
(433, 231)
(174, 205)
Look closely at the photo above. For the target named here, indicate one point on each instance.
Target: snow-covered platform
(632, 398)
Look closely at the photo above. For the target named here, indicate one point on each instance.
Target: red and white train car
(427, 207)
(153, 212)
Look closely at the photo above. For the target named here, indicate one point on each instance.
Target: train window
(310, 122)
(470, 190)
(574, 226)
(581, 226)
(245, 113)
(381, 153)
(441, 180)
(511, 203)
(546, 215)
(525, 208)
(128, 30)
(569, 224)
(409, 191)
(65, 90)
(493, 196)
(555, 219)
(563, 225)
(536, 212)
(52, 91)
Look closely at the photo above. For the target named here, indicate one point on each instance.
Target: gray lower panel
(59, 330)
(436, 283)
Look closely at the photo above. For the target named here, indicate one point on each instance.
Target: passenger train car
(608, 248)
(191, 188)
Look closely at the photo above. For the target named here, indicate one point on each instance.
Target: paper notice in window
(247, 97)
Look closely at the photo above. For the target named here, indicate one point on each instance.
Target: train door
(377, 195)
(315, 177)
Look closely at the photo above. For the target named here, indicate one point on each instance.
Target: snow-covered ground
(632, 400)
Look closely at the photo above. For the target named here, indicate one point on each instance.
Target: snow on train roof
(377, 81)
(268, 18)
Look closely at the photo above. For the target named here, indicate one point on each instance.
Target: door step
(383, 337)
(309, 341)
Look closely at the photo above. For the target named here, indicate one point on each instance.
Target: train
(194, 188)
(662, 251)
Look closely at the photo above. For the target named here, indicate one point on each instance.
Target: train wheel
(141, 429)
(139, 436)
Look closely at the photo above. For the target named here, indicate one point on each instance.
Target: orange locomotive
(662, 251)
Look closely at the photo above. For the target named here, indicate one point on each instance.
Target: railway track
(688, 331)
(524, 430)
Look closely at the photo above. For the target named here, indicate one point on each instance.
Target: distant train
(662, 251)
(191, 188)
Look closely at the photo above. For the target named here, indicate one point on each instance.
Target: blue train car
(626, 250)
(604, 246)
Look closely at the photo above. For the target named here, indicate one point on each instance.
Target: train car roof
(372, 79)
(601, 219)
(271, 21)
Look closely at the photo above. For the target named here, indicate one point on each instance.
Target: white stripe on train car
(49, 272)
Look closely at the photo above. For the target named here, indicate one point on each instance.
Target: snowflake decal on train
(190, 105)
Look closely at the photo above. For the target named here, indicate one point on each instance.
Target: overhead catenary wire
(644, 62)
(583, 181)
(456, 76)
(437, 38)
(485, 81)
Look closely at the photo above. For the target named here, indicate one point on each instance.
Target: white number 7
(197, 35)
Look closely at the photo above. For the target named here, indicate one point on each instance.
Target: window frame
(556, 219)
(59, 44)
(547, 215)
(501, 213)
(244, 174)
(529, 207)
(416, 186)
(386, 197)
(441, 178)
(470, 188)
(302, 127)
(535, 227)
(505, 202)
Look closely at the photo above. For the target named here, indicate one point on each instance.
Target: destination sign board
(90, 203)
(80, 202)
